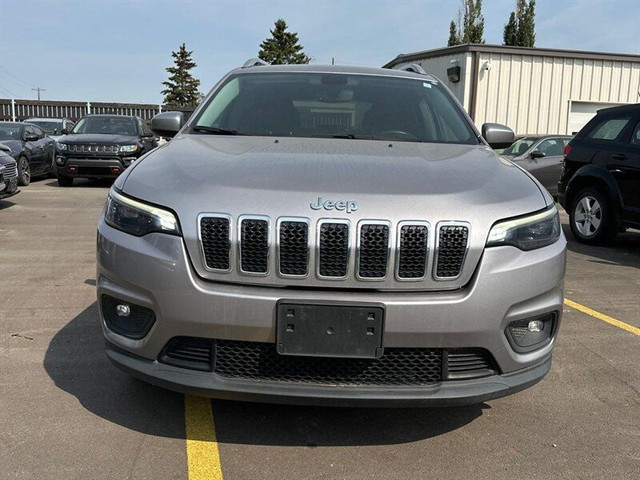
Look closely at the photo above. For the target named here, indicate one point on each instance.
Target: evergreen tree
(520, 30)
(283, 47)
(454, 38)
(469, 27)
(510, 36)
(182, 88)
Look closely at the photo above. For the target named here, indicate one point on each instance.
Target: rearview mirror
(538, 154)
(498, 136)
(167, 124)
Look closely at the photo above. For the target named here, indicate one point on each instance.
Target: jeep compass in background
(600, 184)
(101, 146)
(334, 236)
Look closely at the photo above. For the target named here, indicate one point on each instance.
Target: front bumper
(99, 167)
(8, 187)
(155, 272)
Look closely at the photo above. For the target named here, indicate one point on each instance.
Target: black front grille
(254, 245)
(261, 361)
(189, 352)
(86, 148)
(334, 249)
(216, 244)
(374, 251)
(11, 171)
(469, 363)
(294, 247)
(412, 260)
(452, 246)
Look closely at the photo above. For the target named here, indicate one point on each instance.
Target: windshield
(518, 147)
(106, 125)
(9, 132)
(334, 105)
(50, 128)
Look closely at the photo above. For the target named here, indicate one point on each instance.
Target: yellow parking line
(203, 458)
(603, 317)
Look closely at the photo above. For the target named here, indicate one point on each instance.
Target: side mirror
(64, 131)
(31, 137)
(538, 154)
(167, 124)
(498, 136)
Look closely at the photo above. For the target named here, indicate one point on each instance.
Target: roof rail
(254, 62)
(415, 68)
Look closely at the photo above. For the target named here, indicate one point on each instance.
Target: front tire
(591, 217)
(24, 172)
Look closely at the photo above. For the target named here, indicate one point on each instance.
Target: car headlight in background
(527, 233)
(61, 146)
(128, 149)
(137, 218)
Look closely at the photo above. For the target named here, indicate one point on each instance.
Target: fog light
(123, 310)
(535, 326)
(60, 160)
(531, 334)
(127, 319)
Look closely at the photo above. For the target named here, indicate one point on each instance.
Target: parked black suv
(600, 183)
(101, 146)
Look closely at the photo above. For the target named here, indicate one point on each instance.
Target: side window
(29, 130)
(40, 132)
(552, 147)
(635, 137)
(609, 129)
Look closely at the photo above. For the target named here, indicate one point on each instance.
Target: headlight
(61, 146)
(138, 218)
(128, 149)
(527, 233)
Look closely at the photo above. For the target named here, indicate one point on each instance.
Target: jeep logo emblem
(348, 206)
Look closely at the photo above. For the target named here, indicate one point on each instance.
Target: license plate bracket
(329, 330)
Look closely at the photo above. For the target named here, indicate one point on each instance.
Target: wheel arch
(594, 175)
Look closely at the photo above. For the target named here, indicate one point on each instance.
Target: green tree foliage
(469, 28)
(520, 29)
(283, 47)
(182, 88)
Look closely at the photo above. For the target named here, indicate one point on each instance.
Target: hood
(392, 181)
(6, 159)
(14, 145)
(97, 138)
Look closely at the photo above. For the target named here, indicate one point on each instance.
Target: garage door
(582, 112)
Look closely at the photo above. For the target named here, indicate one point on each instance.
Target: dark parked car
(8, 173)
(541, 156)
(54, 127)
(102, 146)
(30, 147)
(600, 184)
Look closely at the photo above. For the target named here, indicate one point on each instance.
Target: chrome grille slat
(11, 171)
(87, 148)
(298, 248)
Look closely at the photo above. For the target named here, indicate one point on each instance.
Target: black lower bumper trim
(207, 384)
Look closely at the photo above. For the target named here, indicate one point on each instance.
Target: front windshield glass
(49, 127)
(106, 125)
(334, 105)
(9, 132)
(518, 147)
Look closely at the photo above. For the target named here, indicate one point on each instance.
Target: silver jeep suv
(334, 236)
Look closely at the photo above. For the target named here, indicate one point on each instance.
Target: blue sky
(118, 50)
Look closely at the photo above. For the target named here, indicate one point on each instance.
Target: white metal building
(531, 90)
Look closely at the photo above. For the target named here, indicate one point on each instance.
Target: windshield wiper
(349, 136)
(215, 130)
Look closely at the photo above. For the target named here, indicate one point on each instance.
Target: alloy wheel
(588, 216)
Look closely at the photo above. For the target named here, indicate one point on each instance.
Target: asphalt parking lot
(66, 412)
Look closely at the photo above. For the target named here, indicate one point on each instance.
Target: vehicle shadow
(76, 363)
(624, 250)
(4, 204)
